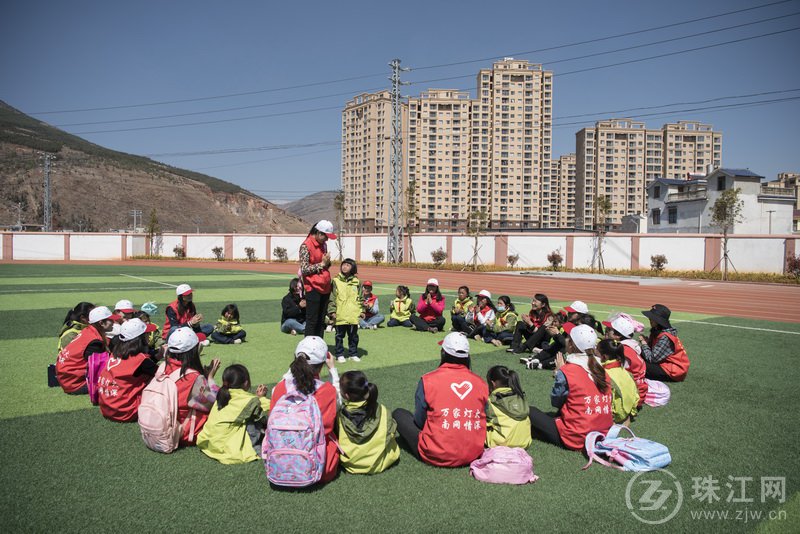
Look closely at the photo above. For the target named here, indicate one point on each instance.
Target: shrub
(513, 259)
(281, 254)
(251, 253)
(555, 259)
(658, 262)
(219, 253)
(793, 266)
(438, 256)
(179, 252)
(377, 256)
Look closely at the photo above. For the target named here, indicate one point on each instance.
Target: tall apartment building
(562, 184)
(618, 158)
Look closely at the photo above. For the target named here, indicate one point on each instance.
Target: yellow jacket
(224, 436)
(368, 445)
(625, 393)
(507, 420)
(401, 309)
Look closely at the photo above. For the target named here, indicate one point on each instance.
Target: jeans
(375, 320)
(422, 325)
(316, 310)
(394, 322)
(227, 339)
(543, 427)
(459, 323)
(351, 331)
(293, 324)
(408, 430)
(505, 337)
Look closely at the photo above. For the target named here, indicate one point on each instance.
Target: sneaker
(476, 337)
(537, 350)
(374, 327)
(237, 341)
(329, 328)
(341, 359)
(533, 363)
(510, 350)
(433, 330)
(497, 343)
(293, 332)
(355, 359)
(205, 343)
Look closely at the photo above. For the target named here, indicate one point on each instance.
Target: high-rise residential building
(618, 158)
(562, 183)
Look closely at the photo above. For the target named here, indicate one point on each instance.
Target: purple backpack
(294, 444)
(94, 365)
(504, 465)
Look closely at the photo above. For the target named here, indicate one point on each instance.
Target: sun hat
(326, 227)
(100, 313)
(183, 289)
(134, 328)
(578, 307)
(583, 336)
(125, 306)
(456, 344)
(314, 347)
(659, 314)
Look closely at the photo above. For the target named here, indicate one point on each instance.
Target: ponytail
(506, 378)
(235, 376)
(355, 385)
(303, 374)
(596, 370)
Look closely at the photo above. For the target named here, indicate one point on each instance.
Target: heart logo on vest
(461, 390)
(112, 362)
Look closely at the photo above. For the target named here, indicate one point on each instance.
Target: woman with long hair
(315, 263)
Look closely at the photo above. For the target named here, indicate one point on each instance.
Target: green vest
(461, 307)
(401, 309)
(507, 420)
(224, 436)
(625, 393)
(505, 322)
(370, 448)
(346, 300)
(69, 333)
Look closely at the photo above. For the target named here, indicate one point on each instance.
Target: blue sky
(57, 56)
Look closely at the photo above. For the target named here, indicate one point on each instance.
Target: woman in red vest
(126, 373)
(309, 357)
(315, 263)
(197, 390)
(72, 360)
(582, 394)
(182, 312)
(448, 426)
(663, 352)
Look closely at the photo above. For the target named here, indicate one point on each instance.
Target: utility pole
(395, 239)
(19, 215)
(770, 220)
(47, 224)
(136, 214)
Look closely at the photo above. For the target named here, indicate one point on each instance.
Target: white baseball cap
(314, 347)
(183, 340)
(621, 325)
(485, 293)
(583, 335)
(433, 282)
(455, 344)
(183, 289)
(578, 307)
(100, 313)
(124, 306)
(326, 227)
(134, 328)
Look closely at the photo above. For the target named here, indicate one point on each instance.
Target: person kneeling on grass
(182, 312)
(666, 358)
(293, 309)
(448, 426)
(228, 330)
(370, 311)
(344, 309)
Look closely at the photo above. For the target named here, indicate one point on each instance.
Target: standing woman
(315, 263)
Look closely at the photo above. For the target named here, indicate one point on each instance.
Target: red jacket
(70, 364)
(185, 384)
(182, 319)
(636, 366)
(432, 311)
(120, 392)
(587, 409)
(320, 282)
(676, 365)
(326, 399)
(455, 427)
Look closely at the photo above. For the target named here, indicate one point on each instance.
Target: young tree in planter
(725, 213)
(339, 207)
(476, 225)
(602, 207)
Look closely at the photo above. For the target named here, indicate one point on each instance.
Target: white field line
(148, 280)
(85, 290)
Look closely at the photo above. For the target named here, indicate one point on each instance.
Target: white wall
(533, 250)
(39, 247)
(136, 245)
(616, 252)
(425, 244)
(292, 245)
(756, 255)
(683, 254)
(168, 243)
(370, 243)
(462, 249)
(258, 242)
(95, 247)
(199, 246)
(348, 248)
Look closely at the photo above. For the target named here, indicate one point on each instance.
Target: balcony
(685, 196)
(776, 192)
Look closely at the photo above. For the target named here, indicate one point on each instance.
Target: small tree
(377, 256)
(725, 213)
(153, 232)
(280, 253)
(438, 256)
(179, 252)
(219, 253)
(602, 207)
(513, 259)
(793, 266)
(657, 262)
(476, 225)
(339, 207)
(250, 252)
(555, 259)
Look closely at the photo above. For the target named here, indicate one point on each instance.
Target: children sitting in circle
(344, 309)
(228, 330)
(402, 308)
(624, 391)
(371, 316)
(620, 328)
(76, 320)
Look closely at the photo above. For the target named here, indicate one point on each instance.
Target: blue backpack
(625, 454)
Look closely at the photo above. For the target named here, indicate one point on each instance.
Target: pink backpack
(158, 412)
(94, 365)
(294, 444)
(504, 465)
(658, 393)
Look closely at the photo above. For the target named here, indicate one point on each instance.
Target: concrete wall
(41, 247)
(95, 247)
(199, 246)
(533, 250)
(463, 249)
(290, 242)
(370, 243)
(755, 255)
(683, 253)
(257, 242)
(425, 244)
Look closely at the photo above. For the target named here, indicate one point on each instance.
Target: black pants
(422, 325)
(656, 372)
(543, 427)
(408, 430)
(533, 337)
(351, 331)
(459, 323)
(316, 309)
(477, 330)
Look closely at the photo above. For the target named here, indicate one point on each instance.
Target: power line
(267, 159)
(244, 149)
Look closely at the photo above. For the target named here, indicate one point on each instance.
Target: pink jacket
(429, 312)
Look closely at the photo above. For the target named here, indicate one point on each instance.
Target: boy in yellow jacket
(344, 309)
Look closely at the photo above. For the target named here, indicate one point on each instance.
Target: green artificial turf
(65, 468)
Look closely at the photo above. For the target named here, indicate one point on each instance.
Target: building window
(721, 183)
(656, 216)
(656, 191)
(672, 214)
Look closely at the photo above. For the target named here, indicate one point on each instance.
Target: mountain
(95, 188)
(313, 207)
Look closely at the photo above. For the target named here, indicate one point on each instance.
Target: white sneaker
(329, 328)
(355, 358)
(341, 359)
(205, 343)
(237, 341)
(374, 327)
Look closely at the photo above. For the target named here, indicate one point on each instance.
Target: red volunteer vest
(676, 365)
(182, 319)
(587, 409)
(636, 367)
(119, 392)
(185, 384)
(326, 400)
(455, 428)
(320, 282)
(368, 304)
(70, 365)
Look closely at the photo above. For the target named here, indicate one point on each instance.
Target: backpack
(94, 365)
(658, 393)
(158, 412)
(294, 444)
(504, 465)
(626, 454)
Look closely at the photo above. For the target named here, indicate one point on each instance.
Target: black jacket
(291, 310)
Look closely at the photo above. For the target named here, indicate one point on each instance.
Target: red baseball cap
(367, 283)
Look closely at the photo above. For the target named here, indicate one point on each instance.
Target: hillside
(313, 207)
(95, 188)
